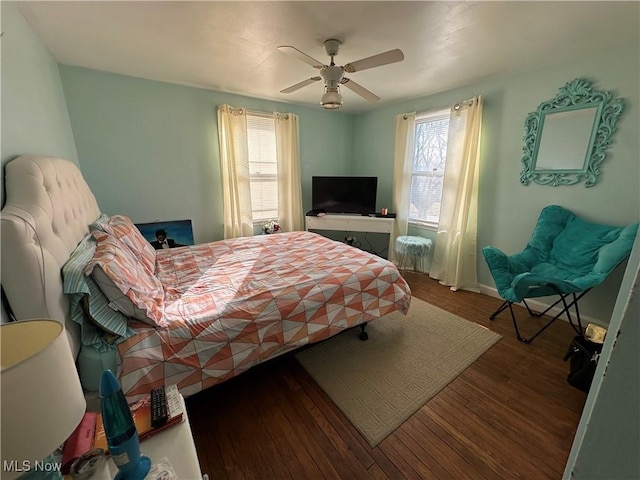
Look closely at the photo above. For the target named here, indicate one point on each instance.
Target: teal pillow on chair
(565, 255)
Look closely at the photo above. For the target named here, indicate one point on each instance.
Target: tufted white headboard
(48, 210)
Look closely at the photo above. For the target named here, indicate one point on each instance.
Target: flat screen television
(355, 195)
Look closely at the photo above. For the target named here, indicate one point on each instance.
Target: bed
(193, 316)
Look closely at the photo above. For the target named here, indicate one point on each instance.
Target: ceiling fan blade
(392, 56)
(300, 56)
(298, 86)
(360, 90)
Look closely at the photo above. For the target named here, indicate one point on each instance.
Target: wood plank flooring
(510, 415)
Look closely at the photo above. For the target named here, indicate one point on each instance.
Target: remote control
(159, 412)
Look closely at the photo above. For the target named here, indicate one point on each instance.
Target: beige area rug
(381, 382)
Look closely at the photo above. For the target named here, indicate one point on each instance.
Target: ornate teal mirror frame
(566, 139)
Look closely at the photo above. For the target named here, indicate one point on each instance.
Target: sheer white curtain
(402, 167)
(455, 255)
(234, 163)
(290, 215)
(236, 181)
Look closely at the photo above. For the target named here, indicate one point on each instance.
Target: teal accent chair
(566, 256)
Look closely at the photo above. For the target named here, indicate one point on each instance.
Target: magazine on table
(141, 413)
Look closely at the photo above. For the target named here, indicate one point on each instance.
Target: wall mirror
(566, 139)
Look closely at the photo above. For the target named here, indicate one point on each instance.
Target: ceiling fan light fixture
(331, 100)
(333, 75)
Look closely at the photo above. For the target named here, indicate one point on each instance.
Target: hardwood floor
(509, 415)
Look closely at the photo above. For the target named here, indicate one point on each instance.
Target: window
(263, 167)
(427, 173)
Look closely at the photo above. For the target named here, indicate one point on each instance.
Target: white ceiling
(230, 46)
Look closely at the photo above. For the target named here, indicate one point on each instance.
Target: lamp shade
(42, 400)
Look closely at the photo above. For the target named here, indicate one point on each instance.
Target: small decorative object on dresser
(270, 227)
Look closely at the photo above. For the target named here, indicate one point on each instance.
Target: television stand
(352, 223)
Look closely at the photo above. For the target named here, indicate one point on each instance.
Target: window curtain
(402, 166)
(455, 255)
(234, 163)
(290, 215)
(236, 181)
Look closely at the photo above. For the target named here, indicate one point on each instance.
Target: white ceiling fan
(334, 75)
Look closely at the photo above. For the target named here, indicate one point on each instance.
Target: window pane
(430, 147)
(264, 198)
(430, 153)
(426, 193)
(263, 167)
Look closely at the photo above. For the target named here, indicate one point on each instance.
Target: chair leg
(500, 309)
(577, 328)
(515, 325)
(531, 312)
(548, 324)
(566, 309)
(515, 322)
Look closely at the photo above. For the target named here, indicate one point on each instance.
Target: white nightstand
(174, 443)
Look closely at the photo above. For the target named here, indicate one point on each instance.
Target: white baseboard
(539, 306)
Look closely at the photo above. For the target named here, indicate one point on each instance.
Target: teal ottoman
(412, 248)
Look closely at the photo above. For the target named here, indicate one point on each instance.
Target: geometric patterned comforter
(232, 304)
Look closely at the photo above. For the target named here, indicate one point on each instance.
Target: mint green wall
(150, 149)
(34, 113)
(507, 209)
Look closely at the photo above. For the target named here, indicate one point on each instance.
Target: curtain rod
(456, 106)
(256, 113)
(470, 102)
